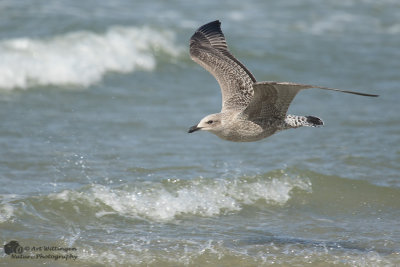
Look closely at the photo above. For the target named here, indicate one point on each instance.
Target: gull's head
(212, 123)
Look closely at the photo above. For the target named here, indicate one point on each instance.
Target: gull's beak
(193, 129)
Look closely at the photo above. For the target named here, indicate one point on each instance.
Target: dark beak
(193, 129)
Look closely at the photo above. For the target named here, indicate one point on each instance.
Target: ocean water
(95, 160)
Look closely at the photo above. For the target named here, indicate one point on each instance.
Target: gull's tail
(293, 121)
(313, 121)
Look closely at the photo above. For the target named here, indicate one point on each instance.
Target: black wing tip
(364, 94)
(209, 34)
(211, 26)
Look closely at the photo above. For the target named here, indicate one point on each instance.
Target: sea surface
(97, 167)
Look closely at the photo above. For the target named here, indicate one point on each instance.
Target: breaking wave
(165, 200)
(81, 58)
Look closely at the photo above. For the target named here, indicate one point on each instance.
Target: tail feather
(293, 121)
(313, 121)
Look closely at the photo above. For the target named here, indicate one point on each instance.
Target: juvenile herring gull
(251, 110)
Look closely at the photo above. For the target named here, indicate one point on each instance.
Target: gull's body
(250, 110)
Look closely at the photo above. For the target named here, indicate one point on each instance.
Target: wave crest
(81, 58)
(205, 197)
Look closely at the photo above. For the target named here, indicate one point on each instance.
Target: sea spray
(203, 197)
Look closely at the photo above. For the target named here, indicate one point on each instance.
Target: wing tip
(209, 35)
(211, 28)
(210, 25)
(372, 95)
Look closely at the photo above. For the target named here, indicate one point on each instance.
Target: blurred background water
(95, 102)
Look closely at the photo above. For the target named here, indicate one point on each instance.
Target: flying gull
(251, 110)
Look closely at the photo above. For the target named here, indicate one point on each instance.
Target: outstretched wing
(272, 99)
(208, 48)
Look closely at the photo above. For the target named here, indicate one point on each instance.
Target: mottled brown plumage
(250, 110)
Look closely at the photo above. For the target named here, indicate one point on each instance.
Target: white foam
(192, 252)
(204, 197)
(81, 58)
(6, 212)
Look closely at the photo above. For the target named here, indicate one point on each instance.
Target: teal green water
(96, 100)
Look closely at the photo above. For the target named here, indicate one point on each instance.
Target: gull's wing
(208, 48)
(272, 99)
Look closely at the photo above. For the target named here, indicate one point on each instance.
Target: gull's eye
(209, 122)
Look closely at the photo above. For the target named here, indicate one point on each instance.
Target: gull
(251, 110)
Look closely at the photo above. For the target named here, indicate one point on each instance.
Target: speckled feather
(209, 49)
(250, 110)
